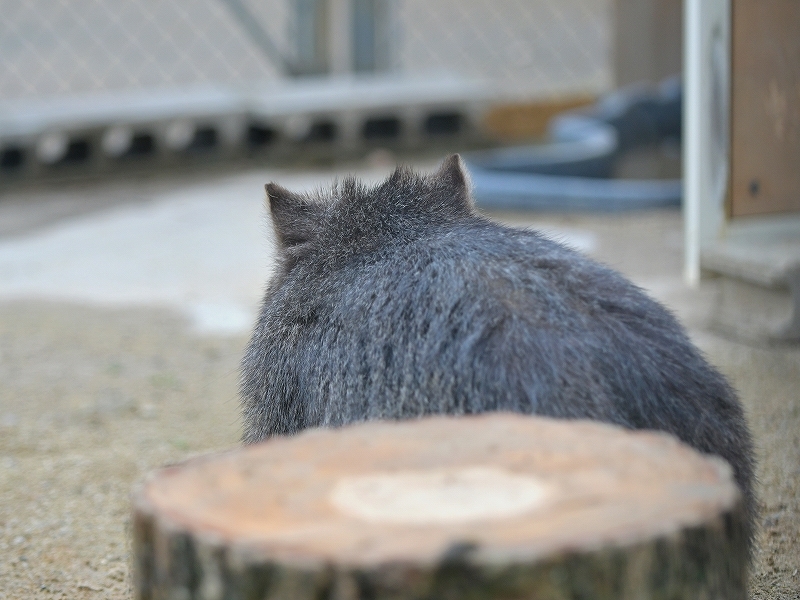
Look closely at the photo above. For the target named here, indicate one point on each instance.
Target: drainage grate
(321, 131)
(12, 158)
(335, 116)
(205, 138)
(382, 128)
(444, 123)
(259, 135)
(78, 151)
(142, 144)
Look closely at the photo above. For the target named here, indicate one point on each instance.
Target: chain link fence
(523, 48)
(95, 85)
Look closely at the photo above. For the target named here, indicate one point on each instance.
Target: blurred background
(177, 99)
(91, 86)
(524, 48)
(661, 137)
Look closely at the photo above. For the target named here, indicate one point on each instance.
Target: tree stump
(491, 506)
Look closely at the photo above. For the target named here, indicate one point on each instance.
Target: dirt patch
(91, 401)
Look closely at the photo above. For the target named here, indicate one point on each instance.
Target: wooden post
(765, 108)
(492, 506)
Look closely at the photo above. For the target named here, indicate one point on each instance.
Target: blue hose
(574, 171)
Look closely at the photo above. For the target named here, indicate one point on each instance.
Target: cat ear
(452, 176)
(294, 217)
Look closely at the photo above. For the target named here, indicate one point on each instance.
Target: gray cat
(399, 301)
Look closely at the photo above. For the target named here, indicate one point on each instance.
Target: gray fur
(399, 301)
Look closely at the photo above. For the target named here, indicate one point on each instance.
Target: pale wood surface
(562, 507)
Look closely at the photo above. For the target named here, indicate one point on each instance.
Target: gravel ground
(91, 399)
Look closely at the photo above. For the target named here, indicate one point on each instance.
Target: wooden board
(520, 121)
(765, 107)
(499, 506)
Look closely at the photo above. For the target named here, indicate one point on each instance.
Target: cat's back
(479, 270)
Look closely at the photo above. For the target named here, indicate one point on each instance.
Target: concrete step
(759, 286)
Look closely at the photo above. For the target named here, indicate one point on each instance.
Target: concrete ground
(124, 309)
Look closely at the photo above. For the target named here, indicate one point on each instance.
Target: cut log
(491, 506)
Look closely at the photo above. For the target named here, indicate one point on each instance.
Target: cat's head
(352, 218)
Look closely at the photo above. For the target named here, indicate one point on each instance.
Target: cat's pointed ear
(452, 176)
(294, 217)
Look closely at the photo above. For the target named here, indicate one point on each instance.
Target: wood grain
(765, 107)
(608, 512)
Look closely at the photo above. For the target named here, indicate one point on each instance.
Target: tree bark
(490, 506)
